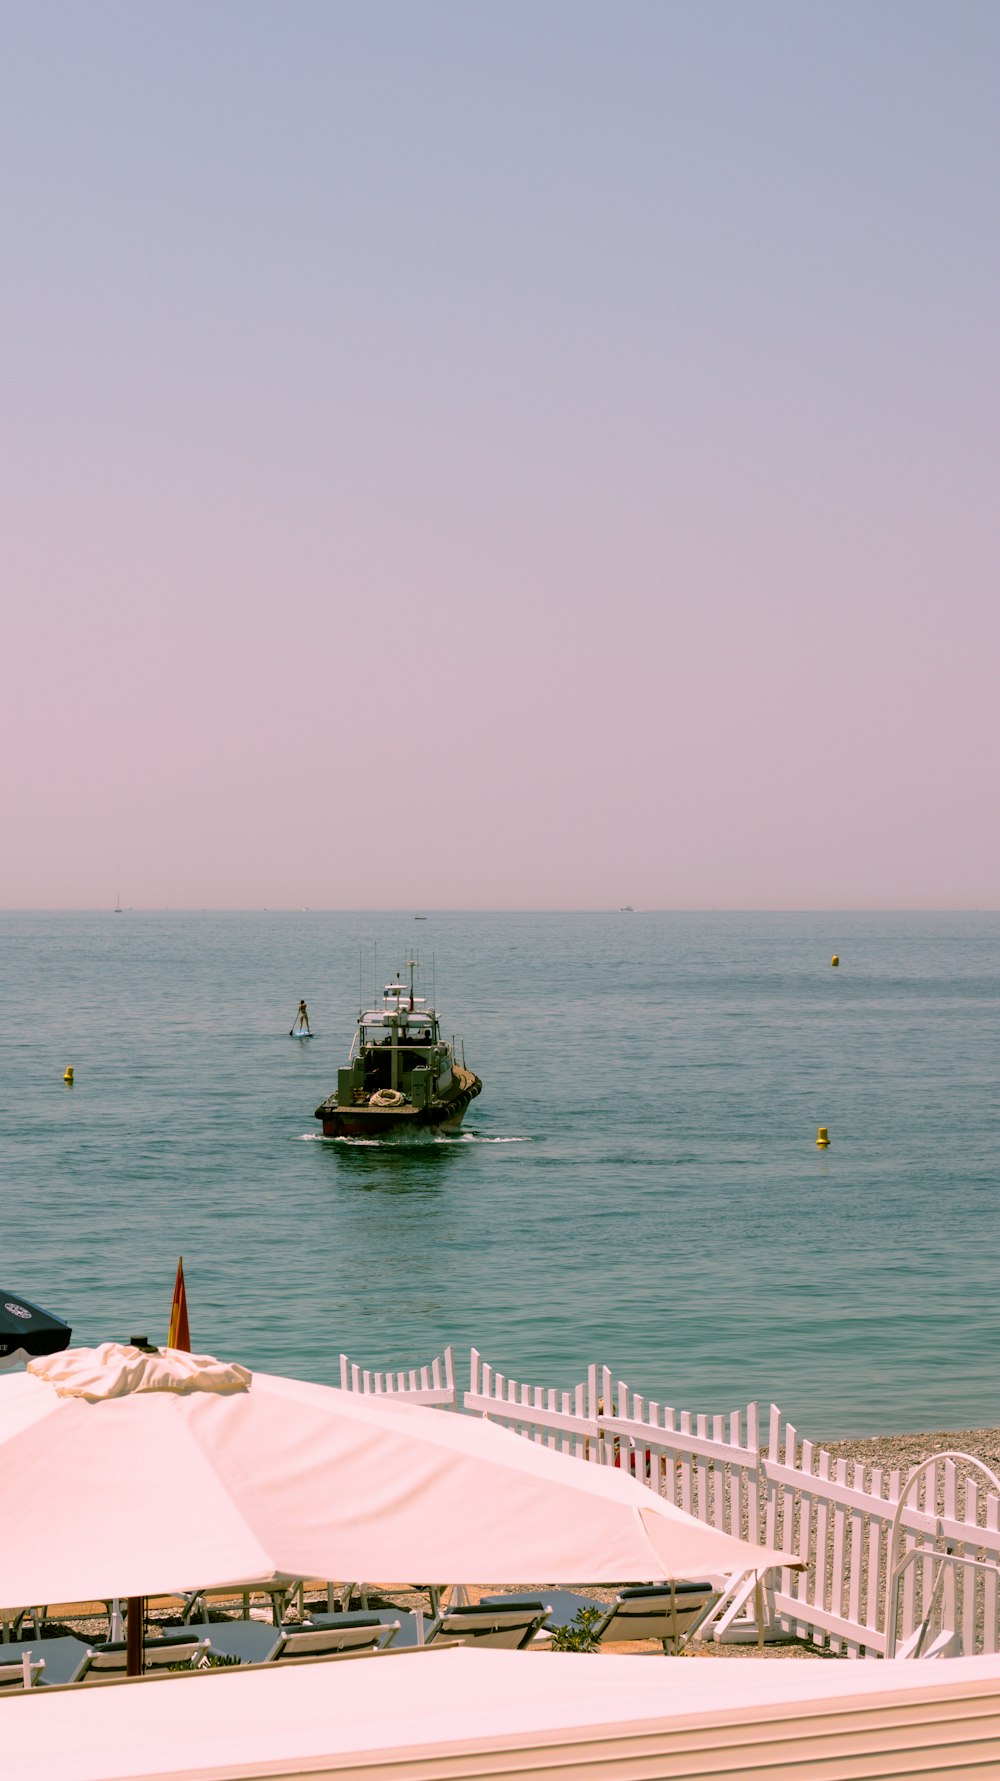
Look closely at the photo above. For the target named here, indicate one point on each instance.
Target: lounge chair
(61, 1659)
(403, 1623)
(197, 1601)
(670, 1612)
(486, 1624)
(22, 1674)
(40, 1615)
(110, 1659)
(361, 1633)
(563, 1604)
(254, 1643)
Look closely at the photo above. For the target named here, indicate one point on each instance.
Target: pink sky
(532, 457)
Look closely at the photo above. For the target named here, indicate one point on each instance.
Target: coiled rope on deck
(387, 1097)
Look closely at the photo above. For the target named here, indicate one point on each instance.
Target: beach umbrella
(25, 1329)
(132, 1474)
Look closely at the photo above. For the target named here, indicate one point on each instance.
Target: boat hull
(383, 1122)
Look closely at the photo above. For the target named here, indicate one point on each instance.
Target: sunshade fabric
(462, 1713)
(26, 1327)
(157, 1491)
(116, 1369)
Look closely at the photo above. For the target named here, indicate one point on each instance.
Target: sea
(639, 1183)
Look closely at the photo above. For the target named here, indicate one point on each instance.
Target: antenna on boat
(434, 988)
(411, 965)
(375, 1002)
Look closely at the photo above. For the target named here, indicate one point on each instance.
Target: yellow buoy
(823, 1137)
(835, 959)
(68, 1075)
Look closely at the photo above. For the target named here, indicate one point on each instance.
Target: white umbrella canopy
(178, 1471)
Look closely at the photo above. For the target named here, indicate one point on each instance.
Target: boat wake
(419, 1140)
(474, 1138)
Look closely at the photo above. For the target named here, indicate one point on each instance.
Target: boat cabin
(398, 1046)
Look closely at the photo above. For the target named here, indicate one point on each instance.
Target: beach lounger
(363, 1632)
(254, 1643)
(486, 1624)
(62, 1613)
(110, 1659)
(564, 1604)
(61, 1657)
(670, 1612)
(23, 1674)
(405, 1623)
(196, 1603)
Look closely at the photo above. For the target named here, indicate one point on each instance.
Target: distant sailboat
(118, 905)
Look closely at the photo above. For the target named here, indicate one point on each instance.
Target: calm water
(638, 1184)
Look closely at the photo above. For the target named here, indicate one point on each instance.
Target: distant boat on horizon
(118, 905)
(625, 909)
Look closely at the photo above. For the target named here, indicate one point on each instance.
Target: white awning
(451, 1713)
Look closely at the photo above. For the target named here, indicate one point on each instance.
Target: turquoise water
(639, 1183)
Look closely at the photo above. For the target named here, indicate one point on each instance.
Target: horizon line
(511, 909)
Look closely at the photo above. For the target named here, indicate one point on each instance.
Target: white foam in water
(475, 1138)
(410, 1138)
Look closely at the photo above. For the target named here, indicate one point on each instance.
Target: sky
(537, 454)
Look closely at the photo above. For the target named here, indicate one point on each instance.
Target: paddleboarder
(301, 1022)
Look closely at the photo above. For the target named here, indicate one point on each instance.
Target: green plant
(578, 1635)
(212, 1660)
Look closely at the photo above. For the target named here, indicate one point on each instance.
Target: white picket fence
(837, 1514)
(433, 1385)
(566, 1420)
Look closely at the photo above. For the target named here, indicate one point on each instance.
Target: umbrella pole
(133, 1635)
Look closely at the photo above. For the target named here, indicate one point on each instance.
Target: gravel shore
(906, 1451)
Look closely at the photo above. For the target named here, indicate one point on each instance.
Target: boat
(401, 1075)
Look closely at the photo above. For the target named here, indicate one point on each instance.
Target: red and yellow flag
(180, 1335)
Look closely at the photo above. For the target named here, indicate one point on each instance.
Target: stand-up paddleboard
(296, 1034)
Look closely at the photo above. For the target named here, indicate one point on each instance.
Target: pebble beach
(890, 1452)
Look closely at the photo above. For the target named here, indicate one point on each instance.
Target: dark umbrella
(25, 1326)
